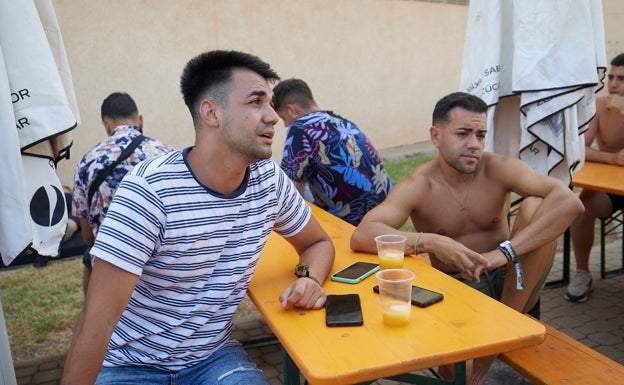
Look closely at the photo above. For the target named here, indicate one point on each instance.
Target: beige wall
(380, 63)
(613, 11)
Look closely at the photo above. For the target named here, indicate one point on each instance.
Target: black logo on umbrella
(47, 206)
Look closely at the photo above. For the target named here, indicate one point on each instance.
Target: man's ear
(108, 126)
(435, 133)
(293, 111)
(208, 112)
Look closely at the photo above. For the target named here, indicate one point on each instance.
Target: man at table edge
(607, 129)
(459, 204)
(182, 238)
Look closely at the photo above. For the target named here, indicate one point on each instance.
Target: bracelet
(508, 251)
(312, 278)
(417, 242)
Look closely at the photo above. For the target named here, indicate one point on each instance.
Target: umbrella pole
(7, 372)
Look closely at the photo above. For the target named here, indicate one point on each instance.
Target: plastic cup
(391, 250)
(395, 290)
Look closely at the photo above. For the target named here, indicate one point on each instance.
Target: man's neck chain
(461, 203)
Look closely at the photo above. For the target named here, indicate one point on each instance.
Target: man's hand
(618, 158)
(303, 293)
(615, 103)
(470, 264)
(496, 258)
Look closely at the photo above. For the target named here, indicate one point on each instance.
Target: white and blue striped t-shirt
(194, 251)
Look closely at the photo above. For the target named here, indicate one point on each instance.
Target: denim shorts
(229, 365)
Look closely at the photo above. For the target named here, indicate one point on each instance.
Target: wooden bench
(560, 359)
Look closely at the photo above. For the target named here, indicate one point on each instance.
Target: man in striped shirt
(177, 249)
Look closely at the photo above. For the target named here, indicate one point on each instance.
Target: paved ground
(598, 323)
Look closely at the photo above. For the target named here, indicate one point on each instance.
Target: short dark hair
(210, 73)
(292, 91)
(618, 60)
(462, 100)
(118, 105)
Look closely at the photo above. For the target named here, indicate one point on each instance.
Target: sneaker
(579, 287)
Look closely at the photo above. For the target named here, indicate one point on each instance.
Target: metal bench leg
(608, 226)
(291, 371)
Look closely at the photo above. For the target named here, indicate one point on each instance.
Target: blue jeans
(228, 366)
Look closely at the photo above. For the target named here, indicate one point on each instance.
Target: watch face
(301, 271)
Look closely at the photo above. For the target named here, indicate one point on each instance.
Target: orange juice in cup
(396, 314)
(395, 292)
(390, 250)
(390, 259)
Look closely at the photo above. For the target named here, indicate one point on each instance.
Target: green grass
(398, 169)
(41, 305)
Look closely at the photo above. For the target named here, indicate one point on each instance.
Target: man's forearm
(84, 358)
(320, 258)
(593, 155)
(552, 217)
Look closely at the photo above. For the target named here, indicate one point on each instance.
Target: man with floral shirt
(123, 123)
(330, 154)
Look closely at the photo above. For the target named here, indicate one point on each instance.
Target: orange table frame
(465, 325)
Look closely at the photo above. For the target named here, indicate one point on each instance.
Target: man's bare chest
(479, 215)
(611, 133)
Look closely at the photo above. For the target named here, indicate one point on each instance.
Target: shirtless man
(607, 129)
(459, 204)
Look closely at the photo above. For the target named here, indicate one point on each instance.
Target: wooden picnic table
(604, 177)
(607, 178)
(465, 325)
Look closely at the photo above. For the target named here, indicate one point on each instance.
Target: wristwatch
(302, 271)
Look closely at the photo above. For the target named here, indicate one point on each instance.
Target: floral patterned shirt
(344, 171)
(100, 156)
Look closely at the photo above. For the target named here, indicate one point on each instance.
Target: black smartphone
(343, 310)
(421, 297)
(355, 272)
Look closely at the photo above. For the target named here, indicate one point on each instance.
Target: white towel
(537, 64)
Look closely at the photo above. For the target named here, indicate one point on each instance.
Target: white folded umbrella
(38, 111)
(537, 64)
